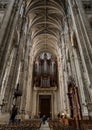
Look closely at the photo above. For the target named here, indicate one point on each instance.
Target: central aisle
(45, 126)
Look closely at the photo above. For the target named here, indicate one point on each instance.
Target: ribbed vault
(45, 20)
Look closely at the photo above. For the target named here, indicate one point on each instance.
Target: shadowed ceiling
(46, 19)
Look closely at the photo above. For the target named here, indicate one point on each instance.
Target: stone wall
(72, 45)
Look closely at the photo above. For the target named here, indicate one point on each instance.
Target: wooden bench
(57, 125)
(23, 125)
(86, 124)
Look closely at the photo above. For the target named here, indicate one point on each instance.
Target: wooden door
(45, 105)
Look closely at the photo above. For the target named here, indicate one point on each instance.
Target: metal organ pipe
(45, 66)
(45, 71)
(52, 69)
(37, 68)
(42, 68)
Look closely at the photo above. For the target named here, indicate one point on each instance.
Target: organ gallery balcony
(45, 88)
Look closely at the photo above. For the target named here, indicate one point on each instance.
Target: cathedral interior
(46, 58)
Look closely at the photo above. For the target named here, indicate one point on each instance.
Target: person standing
(43, 119)
(13, 114)
(58, 115)
(66, 122)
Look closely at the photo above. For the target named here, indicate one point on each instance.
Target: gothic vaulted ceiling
(46, 19)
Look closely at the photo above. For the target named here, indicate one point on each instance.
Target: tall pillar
(34, 104)
(83, 48)
(29, 96)
(81, 85)
(55, 104)
(6, 20)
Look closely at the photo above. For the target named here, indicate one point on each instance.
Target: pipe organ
(45, 70)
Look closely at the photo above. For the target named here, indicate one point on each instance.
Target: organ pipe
(45, 71)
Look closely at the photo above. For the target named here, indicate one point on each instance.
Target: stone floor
(4, 118)
(45, 126)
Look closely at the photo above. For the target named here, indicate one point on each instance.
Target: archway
(45, 26)
(45, 84)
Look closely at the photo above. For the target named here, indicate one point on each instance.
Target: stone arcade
(46, 55)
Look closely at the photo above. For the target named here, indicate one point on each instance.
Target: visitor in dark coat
(13, 114)
(43, 119)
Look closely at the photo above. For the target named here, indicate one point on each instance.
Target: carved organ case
(45, 70)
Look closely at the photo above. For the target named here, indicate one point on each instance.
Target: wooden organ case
(45, 71)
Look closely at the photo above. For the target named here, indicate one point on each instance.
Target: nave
(45, 126)
(46, 62)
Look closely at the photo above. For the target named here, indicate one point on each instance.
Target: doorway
(45, 105)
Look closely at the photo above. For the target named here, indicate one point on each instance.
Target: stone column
(60, 86)
(81, 85)
(29, 97)
(6, 78)
(6, 20)
(82, 42)
(34, 104)
(83, 52)
(2, 37)
(64, 74)
(55, 104)
(25, 65)
(7, 34)
(52, 105)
